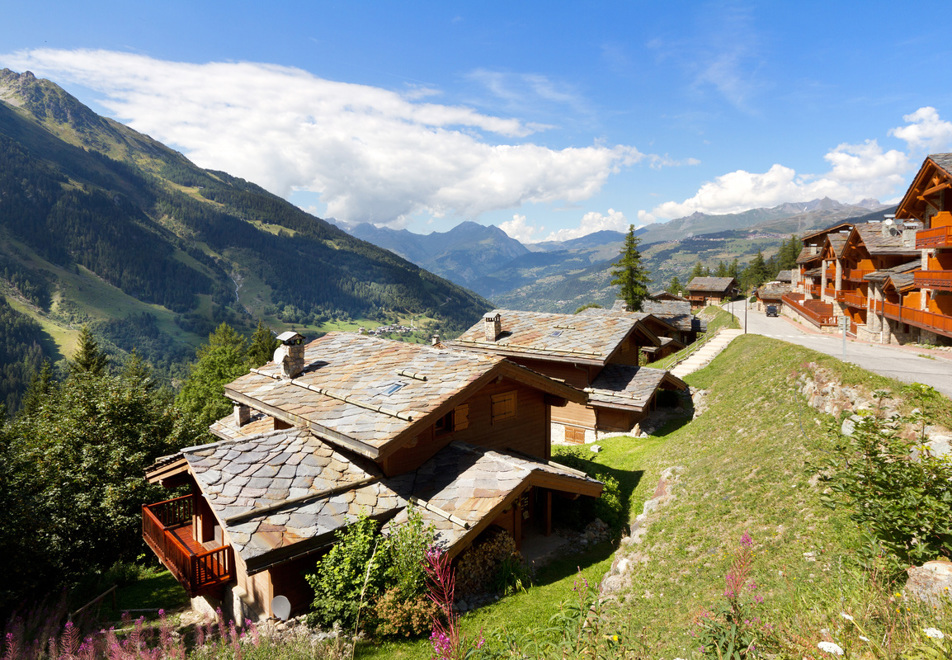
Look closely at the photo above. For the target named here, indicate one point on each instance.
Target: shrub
(896, 489)
(400, 616)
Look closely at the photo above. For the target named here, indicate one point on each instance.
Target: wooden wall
(527, 431)
(575, 414)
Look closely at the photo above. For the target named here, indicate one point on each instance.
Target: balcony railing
(851, 298)
(934, 279)
(813, 316)
(937, 237)
(830, 292)
(166, 526)
(814, 290)
(927, 320)
(856, 274)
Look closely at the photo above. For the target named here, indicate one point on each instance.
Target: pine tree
(89, 358)
(698, 270)
(721, 270)
(263, 345)
(674, 287)
(218, 362)
(630, 275)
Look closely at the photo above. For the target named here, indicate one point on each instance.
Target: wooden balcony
(167, 529)
(851, 298)
(934, 279)
(803, 308)
(937, 237)
(856, 274)
(938, 323)
(830, 292)
(814, 290)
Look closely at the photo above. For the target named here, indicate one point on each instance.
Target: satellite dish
(281, 607)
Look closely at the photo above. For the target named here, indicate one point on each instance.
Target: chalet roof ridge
(294, 501)
(346, 398)
(523, 348)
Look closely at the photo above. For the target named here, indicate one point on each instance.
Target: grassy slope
(746, 469)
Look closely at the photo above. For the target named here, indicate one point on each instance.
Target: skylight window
(392, 388)
(557, 333)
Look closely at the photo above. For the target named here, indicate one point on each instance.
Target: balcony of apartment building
(931, 321)
(853, 298)
(817, 312)
(937, 237)
(856, 274)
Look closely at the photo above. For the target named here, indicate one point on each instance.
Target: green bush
(365, 570)
(896, 489)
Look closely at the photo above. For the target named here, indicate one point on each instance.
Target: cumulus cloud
(592, 222)
(519, 229)
(857, 172)
(925, 131)
(371, 154)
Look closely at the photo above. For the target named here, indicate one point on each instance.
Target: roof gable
(934, 176)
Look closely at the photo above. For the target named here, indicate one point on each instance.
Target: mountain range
(102, 225)
(563, 275)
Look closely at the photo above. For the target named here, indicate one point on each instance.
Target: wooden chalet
(578, 349)
(350, 424)
(704, 291)
(892, 279)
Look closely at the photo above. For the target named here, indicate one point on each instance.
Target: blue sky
(548, 119)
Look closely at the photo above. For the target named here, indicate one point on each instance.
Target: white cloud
(371, 154)
(520, 230)
(857, 172)
(591, 222)
(925, 131)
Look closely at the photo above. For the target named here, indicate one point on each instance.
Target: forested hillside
(103, 226)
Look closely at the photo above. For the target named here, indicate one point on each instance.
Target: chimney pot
(290, 354)
(492, 325)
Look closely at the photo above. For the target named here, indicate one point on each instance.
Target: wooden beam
(937, 188)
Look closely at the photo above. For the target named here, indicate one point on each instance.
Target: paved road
(906, 364)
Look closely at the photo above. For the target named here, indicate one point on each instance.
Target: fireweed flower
(830, 647)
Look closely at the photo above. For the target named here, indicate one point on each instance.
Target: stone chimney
(435, 340)
(888, 226)
(492, 325)
(290, 354)
(242, 414)
(909, 229)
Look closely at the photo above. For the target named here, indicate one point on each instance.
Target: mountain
(100, 224)
(564, 275)
(466, 254)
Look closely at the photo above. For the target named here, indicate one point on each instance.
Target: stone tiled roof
(463, 488)
(674, 313)
(820, 232)
(872, 237)
(813, 272)
(627, 387)
(772, 292)
(785, 276)
(711, 284)
(807, 255)
(576, 337)
(284, 493)
(944, 161)
(226, 428)
(837, 243)
(369, 394)
(880, 275)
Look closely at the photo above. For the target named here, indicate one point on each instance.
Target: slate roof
(284, 493)
(772, 292)
(463, 488)
(371, 394)
(872, 237)
(820, 232)
(623, 386)
(785, 276)
(837, 242)
(944, 161)
(881, 275)
(575, 337)
(807, 255)
(674, 313)
(711, 284)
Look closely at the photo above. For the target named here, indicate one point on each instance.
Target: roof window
(392, 388)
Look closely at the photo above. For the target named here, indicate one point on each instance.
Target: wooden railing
(197, 571)
(814, 289)
(851, 298)
(936, 237)
(856, 274)
(830, 292)
(811, 315)
(934, 279)
(928, 320)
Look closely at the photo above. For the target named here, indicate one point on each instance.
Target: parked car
(772, 310)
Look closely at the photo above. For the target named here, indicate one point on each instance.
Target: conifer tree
(89, 358)
(629, 274)
(263, 345)
(674, 287)
(698, 270)
(218, 362)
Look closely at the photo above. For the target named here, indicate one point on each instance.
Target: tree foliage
(630, 275)
(71, 476)
(89, 358)
(217, 363)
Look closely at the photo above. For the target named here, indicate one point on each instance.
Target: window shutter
(461, 417)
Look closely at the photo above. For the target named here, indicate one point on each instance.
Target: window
(392, 388)
(503, 406)
(457, 420)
